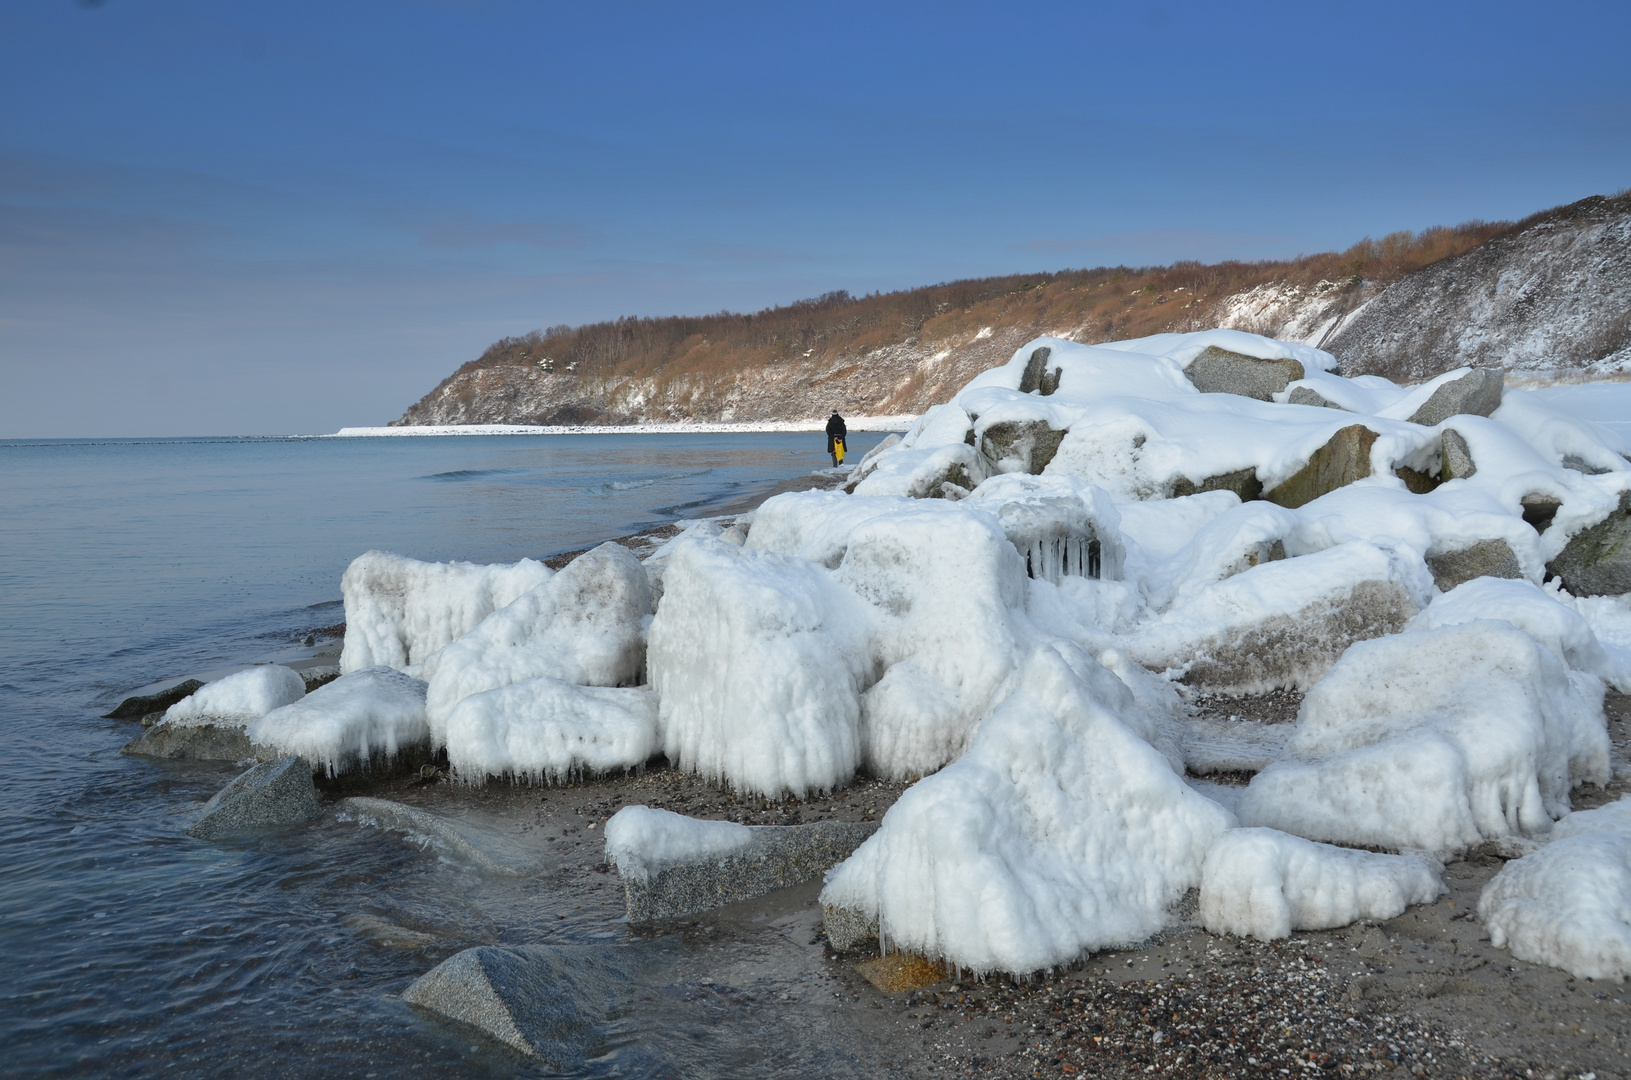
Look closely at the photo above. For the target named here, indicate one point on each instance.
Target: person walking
(836, 432)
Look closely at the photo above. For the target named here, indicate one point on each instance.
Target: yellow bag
(838, 450)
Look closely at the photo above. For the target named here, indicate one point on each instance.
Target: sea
(130, 949)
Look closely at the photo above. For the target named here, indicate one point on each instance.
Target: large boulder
(1021, 445)
(1486, 558)
(271, 795)
(1342, 460)
(192, 742)
(141, 705)
(1477, 393)
(541, 1000)
(1219, 371)
(1597, 561)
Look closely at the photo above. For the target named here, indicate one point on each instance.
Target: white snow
(398, 610)
(1059, 831)
(240, 697)
(584, 625)
(546, 731)
(641, 840)
(1265, 884)
(349, 722)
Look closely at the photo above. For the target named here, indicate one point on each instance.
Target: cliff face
(1552, 294)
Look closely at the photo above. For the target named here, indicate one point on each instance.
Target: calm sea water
(130, 949)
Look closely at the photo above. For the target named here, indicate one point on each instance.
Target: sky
(220, 217)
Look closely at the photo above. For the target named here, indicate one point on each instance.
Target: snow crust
(349, 722)
(642, 840)
(399, 610)
(1263, 883)
(240, 697)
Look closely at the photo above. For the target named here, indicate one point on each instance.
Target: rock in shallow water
(272, 794)
(192, 742)
(134, 708)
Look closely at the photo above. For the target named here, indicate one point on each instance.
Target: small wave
(471, 474)
(613, 487)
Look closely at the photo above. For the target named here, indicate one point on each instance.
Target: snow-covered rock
(546, 730)
(350, 722)
(239, 697)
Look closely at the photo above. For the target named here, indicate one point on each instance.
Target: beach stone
(1477, 393)
(1037, 376)
(899, 973)
(272, 794)
(192, 742)
(1487, 558)
(1455, 456)
(1304, 395)
(1539, 510)
(1219, 371)
(1342, 460)
(1021, 445)
(543, 1001)
(141, 705)
(1597, 561)
(1243, 483)
(777, 856)
(848, 929)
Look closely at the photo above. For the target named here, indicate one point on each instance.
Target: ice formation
(546, 730)
(586, 625)
(239, 697)
(1059, 831)
(641, 840)
(1265, 884)
(398, 610)
(1436, 740)
(351, 721)
(1569, 904)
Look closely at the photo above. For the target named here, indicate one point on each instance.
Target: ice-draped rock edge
(1059, 831)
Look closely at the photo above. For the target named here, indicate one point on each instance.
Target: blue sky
(259, 218)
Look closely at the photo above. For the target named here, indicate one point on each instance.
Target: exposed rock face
(1302, 395)
(1553, 294)
(1487, 558)
(192, 742)
(1455, 456)
(134, 708)
(540, 1000)
(1219, 371)
(1597, 561)
(1342, 460)
(1243, 483)
(272, 794)
(778, 856)
(1021, 446)
(848, 929)
(1037, 376)
(1477, 393)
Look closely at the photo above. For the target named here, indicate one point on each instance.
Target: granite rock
(1305, 395)
(1477, 393)
(270, 795)
(134, 708)
(1455, 456)
(1487, 558)
(1021, 445)
(848, 929)
(1342, 460)
(1243, 483)
(1597, 561)
(1037, 376)
(1219, 371)
(1539, 510)
(192, 742)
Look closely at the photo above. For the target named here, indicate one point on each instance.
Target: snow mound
(1568, 905)
(545, 730)
(1059, 831)
(585, 625)
(239, 697)
(642, 841)
(1264, 884)
(345, 724)
(1436, 740)
(758, 661)
(398, 610)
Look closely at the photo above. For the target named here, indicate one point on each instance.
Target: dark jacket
(835, 430)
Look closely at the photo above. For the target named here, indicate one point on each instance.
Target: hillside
(1548, 292)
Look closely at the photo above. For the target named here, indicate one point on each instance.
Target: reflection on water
(132, 949)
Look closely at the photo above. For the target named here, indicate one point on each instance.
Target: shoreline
(746, 427)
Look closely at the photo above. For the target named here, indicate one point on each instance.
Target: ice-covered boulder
(1062, 526)
(1264, 884)
(1568, 905)
(348, 723)
(1060, 831)
(1020, 446)
(1436, 740)
(940, 472)
(545, 730)
(758, 661)
(239, 697)
(399, 610)
(585, 625)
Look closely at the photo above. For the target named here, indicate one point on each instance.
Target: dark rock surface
(1342, 460)
(1539, 510)
(1021, 445)
(1477, 393)
(775, 858)
(1243, 483)
(1487, 558)
(1597, 561)
(272, 794)
(1037, 376)
(134, 708)
(1219, 371)
(192, 742)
